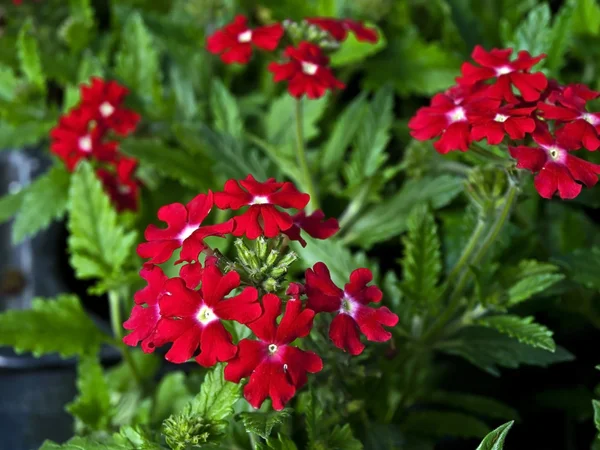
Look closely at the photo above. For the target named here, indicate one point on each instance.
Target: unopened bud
(261, 247)
(272, 258)
(245, 255)
(288, 259)
(270, 285)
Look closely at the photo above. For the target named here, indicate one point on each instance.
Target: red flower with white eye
(350, 304)
(122, 187)
(339, 28)
(263, 200)
(315, 225)
(570, 107)
(104, 102)
(234, 42)
(184, 230)
(192, 319)
(556, 168)
(496, 65)
(306, 71)
(495, 124)
(274, 367)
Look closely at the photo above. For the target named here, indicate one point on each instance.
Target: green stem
(302, 160)
(486, 154)
(355, 206)
(116, 321)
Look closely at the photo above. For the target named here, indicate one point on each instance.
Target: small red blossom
(306, 71)
(555, 167)
(569, 107)
(495, 124)
(75, 138)
(274, 367)
(192, 319)
(314, 224)
(350, 304)
(122, 187)
(234, 42)
(184, 230)
(104, 102)
(496, 65)
(263, 200)
(338, 28)
(295, 291)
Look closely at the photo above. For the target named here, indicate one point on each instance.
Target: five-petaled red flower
(234, 42)
(569, 107)
(306, 71)
(496, 64)
(338, 28)
(121, 186)
(103, 100)
(192, 319)
(556, 168)
(494, 124)
(276, 369)
(184, 229)
(314, 224)
(262, 216)
(350, 304)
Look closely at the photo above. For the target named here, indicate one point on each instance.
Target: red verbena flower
(276, 369)
(121, 186)
(234, 42)
(76, 138)
(192, 319)
(555, 167)
(493, 125)
(569, 106)
(262, 216)
(314, 224)
(496, 65)
(104, 101)
(350, 304)
(338, 28)
(306, 71)
(184, 229)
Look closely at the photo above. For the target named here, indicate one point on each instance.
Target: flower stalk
(303, 161)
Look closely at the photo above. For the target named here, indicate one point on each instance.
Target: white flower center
(348, 305)
(456, 115)
(124, 189)
(272, 349)
(555, 153)
(590, 118)
(106, 109)
(500, 118)
(246, 36)
(187, 232)
(503, 70)
(85, 143)
(260, 200)
(206, 315)
(309, 68)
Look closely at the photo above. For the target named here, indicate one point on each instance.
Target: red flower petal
(250, 354)
(269, 380)
(554, 177)
(215, 345)
(323, 294)
(344, 334)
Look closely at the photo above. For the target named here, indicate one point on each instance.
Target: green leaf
(9, 83)
(29, 56)
(77, 29)
(596, 405)
(389, 218)
(171, 162)
(262, 423)
(217, 397)
(59, 325)
(534, 32)
(23, 135)
(353, 51)
(99, 246)
(495, 439)
(586, 17)
(474, 404)
(92, 405)
(523, 329)
(281, 443)
(533, 277)
(10, 204)
(488, 349)
(439, 423)
(225, 110)
(560, 38)
(45, 200)
(86, 443)
(580, 266)
(341, 438)
(422, 261)
(171, 396)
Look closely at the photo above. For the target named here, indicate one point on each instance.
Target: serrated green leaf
(389, 218)
(9, 83)
(495, 439)
(341, 438)
(533, 278)
(225, 110)
(439, 423)
(560, 37)
(77, 29)
(59, 325)
(487, 349)
(474, 404)
(534, 32)
(98, 244)
(523, 329)
(29, 56)
(422, 261)
(262, 423)
(217, 397)
(10, 204)
(353, 51)
(92, 406)
(596, 405)
(171, 396)
(86, 443)
(281, 443)
(586, 17)
(45, 200)
(580, 266)
(137, 438)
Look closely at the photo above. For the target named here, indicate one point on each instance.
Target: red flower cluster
(305, 65)
(83, 133)
(189, 311)
(502, 99)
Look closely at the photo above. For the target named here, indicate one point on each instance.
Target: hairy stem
(302, 160)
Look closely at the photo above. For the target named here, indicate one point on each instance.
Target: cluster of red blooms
(188, 311)
(503, 99)
(305, 62)
(83, 133)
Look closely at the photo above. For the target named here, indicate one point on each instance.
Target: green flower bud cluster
(486, 187)
(304, 31)
(188, 430)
